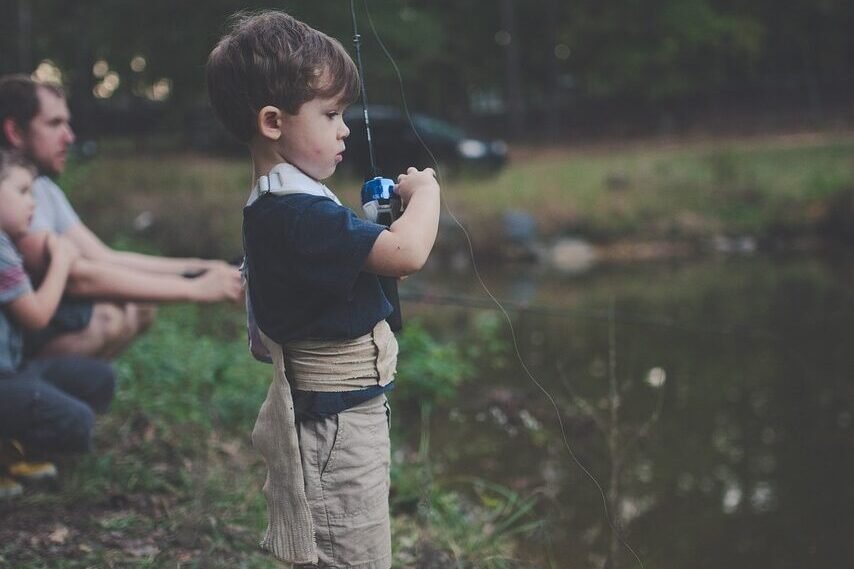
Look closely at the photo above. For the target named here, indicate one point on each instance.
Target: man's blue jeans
(50, 404)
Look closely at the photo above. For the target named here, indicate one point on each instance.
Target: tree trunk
(513, 75)
(25, 34)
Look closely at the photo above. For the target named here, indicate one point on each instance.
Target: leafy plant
(431, 371)
(481, 534)
(179, 373)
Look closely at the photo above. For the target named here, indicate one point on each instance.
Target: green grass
(686, 191)
(175, 482)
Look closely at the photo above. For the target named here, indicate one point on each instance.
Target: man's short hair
(270, 58)
(11, 158)
(19, 100)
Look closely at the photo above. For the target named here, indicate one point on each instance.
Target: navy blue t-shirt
(305, 256)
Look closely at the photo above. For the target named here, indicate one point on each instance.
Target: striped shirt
(14, 283)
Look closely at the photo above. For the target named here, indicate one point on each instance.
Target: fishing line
(489, 293)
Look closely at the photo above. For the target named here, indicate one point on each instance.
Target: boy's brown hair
(270, 58)
(10, 158)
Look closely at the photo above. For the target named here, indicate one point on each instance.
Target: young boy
(312, 268)
(46, 405)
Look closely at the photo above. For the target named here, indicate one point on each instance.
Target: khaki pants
(346, 462)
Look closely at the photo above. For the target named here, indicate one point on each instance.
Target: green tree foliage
(450, 52)
(661, 48)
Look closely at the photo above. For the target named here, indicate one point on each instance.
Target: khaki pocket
(355, 478)
(326, 452)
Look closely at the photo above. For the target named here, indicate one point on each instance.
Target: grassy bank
(174, 481)
(697, 190)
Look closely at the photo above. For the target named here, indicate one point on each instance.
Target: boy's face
(49, 135)
(16, 201)
(313, 139)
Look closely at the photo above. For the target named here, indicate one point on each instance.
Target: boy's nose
(345, 132)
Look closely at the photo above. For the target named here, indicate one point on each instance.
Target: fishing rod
(486, 289)
(379, 201)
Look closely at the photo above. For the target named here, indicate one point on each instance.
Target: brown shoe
(13, 457)
(32, 471)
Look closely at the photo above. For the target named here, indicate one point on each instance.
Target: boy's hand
(61, 249)
(404, 248)
(415, 180)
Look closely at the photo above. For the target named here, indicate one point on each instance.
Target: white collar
(286, 179)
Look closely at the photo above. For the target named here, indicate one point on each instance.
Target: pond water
(750, 461)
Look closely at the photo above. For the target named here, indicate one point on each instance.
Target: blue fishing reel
(379, 202)
(382, 205)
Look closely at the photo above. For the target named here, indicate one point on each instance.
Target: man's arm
(105, 280)
(55, 214)
(94, 279)
(91, 247)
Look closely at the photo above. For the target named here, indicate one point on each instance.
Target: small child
(312, 269)
(46, 405)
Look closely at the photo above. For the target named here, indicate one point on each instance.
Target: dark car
(396, 146)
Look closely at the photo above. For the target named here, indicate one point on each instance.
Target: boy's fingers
(414, 170)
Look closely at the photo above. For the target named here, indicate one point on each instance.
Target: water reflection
(751, 462)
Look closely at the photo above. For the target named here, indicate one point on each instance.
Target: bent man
(110, 293)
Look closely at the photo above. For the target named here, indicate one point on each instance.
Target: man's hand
(218, 284)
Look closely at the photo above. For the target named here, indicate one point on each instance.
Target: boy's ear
(270, 122)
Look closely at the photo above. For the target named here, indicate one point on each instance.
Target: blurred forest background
(537, 70)
(671, 237)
